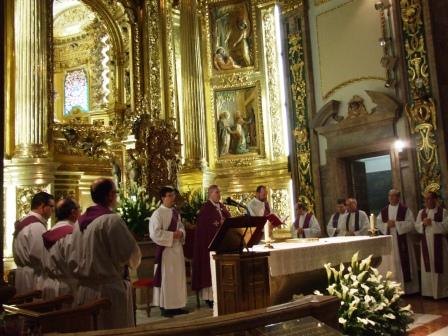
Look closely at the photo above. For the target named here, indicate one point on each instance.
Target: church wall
(346, 57)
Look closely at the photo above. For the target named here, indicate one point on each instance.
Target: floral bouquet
(136, 208)
(370, 303)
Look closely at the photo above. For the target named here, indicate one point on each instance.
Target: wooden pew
(49, 305)
(81, 318)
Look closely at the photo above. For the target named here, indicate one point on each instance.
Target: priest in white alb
(397, 220)
(103, 248)
(58, 245)
(432, 224)
(356, 221)
(168, 233)
(259, 205)
(306, 224)
(28, 247)
(337, 220)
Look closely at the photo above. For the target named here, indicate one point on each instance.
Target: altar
(297, 267)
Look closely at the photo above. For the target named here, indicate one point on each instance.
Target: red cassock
(205, 231)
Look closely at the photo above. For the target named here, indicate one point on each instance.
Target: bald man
(397, 220)
(356, 221)
(103, 247)
(211, 216)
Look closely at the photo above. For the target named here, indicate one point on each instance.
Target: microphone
(231, 202)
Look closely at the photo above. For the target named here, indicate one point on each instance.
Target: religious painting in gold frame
(238, 123)
(232, 35)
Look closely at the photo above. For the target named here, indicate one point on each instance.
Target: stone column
(192, 87)
(31, 77)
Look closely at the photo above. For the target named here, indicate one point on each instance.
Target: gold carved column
(30, 170)
(192, 94)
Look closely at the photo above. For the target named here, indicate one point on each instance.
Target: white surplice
(61, 281)
(363, 224)
(28, 251)
(313, 230)
(97, 260)
(256, 207)
(340, 226)
(172, 293)
(405, 227)
(434, 284)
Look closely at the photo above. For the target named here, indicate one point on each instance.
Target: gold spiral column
(192, 94)
(31, 70)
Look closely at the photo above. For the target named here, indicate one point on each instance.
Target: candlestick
(266, 232)
(372, 222)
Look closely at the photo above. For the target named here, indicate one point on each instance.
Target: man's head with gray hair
(214, 194)
(394, 196)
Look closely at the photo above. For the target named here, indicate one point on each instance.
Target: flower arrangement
(370, 303)
(191, 203)
(136, 208)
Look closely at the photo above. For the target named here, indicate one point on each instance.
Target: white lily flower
(388, 274)
(365, 287)
(365, 263)
(389, 316)
(355, 259)
(406, 308)
(342, 321)
(327, 268)
(316, 292)
(344, 291)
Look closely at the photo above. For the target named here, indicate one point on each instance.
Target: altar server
(168, 232)
(306, 224)
(211, 216)
(356, 221)
(397, 220)
(337, 220)
(103, 247)
(432, 224)
(58, 244)
(28, 247)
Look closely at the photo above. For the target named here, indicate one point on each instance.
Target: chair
(147, 284)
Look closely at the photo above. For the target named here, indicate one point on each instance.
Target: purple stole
(21, 224)
(91, 214)
(159, 250)
(403, 248)
(52, 236)
(267, 209)
(347, 221)
(306, 222)
(335, 220)
(438, 244)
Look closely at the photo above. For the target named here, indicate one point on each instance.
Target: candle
(266, 232)
(372, 222)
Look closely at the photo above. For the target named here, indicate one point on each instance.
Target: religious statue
(116, 171)
(251, 128)
(223, 133)
(133, 169)
(356, 107)
(239, 44)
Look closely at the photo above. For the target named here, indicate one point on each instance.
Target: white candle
(372, 222)
(266, 232)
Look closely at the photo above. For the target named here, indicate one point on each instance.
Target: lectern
(242, 276)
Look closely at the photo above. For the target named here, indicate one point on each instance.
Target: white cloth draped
(402, 227)
(28, 251)
(434, 284)
(172, 293)
(97, 260)
(340, 226)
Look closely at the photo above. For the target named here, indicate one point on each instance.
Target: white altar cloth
(290, 258)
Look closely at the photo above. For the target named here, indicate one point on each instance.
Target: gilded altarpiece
(420, 109)
(246, 114)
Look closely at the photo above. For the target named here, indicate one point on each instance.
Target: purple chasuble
(347, 221)
(438, 244)
(306, 222)
(336, 219)
(403, 248)
(159, 249)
